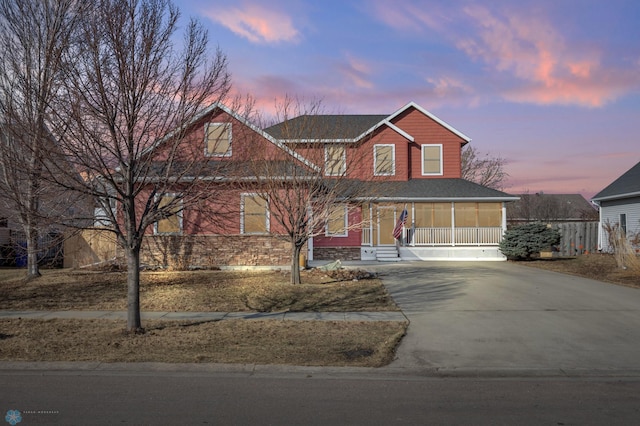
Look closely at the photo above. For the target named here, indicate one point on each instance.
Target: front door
(386, 223)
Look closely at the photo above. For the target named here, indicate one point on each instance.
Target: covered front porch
(454, 230)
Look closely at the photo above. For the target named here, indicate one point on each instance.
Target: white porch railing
(478, 236)
(472, 236)
(366, 237)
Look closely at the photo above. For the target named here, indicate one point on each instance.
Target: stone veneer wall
(336, 253)
(210, 251)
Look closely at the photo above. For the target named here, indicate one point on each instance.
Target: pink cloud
(256, 23)
(356, 72)
(532, 50)
(548, 68)
(408, 17)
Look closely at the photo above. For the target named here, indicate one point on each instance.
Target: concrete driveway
(503, 318)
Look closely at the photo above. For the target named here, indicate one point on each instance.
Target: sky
(551, 86)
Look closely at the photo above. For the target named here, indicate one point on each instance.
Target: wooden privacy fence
(577, 238)
(89, 247)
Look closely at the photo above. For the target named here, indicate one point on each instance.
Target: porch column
(504, 217)
(310, 240)
(453, 224)
(413, 224)
(310, 248)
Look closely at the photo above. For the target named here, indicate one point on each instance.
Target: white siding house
(620, 204)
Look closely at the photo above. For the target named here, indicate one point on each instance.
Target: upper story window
(335, 160)
(431, 160)
(255, 214)
(337, 223)
(217, 139)
(171, 223)
(384, 160)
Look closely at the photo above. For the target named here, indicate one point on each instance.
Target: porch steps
(387, 254)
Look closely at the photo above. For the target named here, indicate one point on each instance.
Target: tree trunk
(134, 324)
(295, 264)
(32, 253)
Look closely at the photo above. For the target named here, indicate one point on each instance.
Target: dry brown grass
(318, 343)
(196, 291)
(601, 267)
(312, 343)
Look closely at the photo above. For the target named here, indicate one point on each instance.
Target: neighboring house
(57, 208)
(414, 156)
(620, 205)
(550, 208)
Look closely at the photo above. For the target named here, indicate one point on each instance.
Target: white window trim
(346, 225)
(179, 214)
(100, 217)
(393, 159)
(206, 139)
(343, 169)
(440, 173)
(267, 215)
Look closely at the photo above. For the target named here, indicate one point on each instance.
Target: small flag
(397, 231)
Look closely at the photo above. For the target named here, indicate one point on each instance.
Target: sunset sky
(552, 86)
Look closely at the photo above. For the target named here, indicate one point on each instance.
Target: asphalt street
(150, 396)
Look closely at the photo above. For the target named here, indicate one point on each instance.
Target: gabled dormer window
(431, 160)
(335, 160)
(384, 160)
(217, 139)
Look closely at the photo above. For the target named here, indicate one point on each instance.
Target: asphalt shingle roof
(438, 189)
(628, 183)
(323, 127)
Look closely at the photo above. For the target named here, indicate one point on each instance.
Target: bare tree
(484, 170)
(35, 36)
(551, 207)
(129, 101)
(306, 185)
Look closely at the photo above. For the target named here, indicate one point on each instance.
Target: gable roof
(210, 109)
(346, 128)
(431, 116)
(627, 185)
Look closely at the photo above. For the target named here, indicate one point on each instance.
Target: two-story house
(417, 158)
(421, 208)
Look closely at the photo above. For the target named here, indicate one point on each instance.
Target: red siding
(427, 131)
(353, 238)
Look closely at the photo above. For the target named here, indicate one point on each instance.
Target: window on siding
(101, 216)
(255, 214)
(384, 159)
(431, 159)
(217, 139)
(337, 222)
(172, 221)
(623, 224)
(335, 161)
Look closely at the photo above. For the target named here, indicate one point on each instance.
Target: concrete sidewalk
(210, 316)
